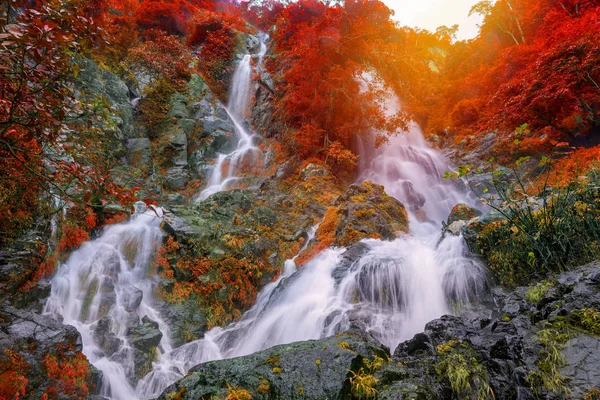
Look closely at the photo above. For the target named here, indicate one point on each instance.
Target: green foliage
(545, 229)
(587, 319)
(460, 367)
(537, 292)
(547, 375)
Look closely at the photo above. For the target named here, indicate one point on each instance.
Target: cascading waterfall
(390, 289)
(238, 108)
(104, 289)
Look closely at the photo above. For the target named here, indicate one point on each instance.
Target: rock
(314, 170)
(583, 364)
(177, 147)
(139, 153)
(309, 370)
(98, 82)
(286, 169)
(34, 337)
(145, 336)
(366, 211)
(463, 212)
(176, 178)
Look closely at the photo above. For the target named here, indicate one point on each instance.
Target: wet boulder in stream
(318, 369)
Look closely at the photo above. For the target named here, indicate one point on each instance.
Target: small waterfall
(104, 289)
(227, 166)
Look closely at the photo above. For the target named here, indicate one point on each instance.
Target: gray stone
(139, 152)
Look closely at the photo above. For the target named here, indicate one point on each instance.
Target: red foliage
(13, 376)
(323, 52)
(535, 62)
(68, 375)
(215, 33)
(72, 237)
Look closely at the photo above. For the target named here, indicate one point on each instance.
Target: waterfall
(388, 288)
(238, 109)
(104, 289)
(391, 291)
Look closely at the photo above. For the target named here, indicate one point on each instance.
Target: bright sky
(430, 14)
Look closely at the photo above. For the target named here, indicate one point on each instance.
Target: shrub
(545, 229)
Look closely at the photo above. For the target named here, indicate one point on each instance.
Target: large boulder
(145, 339)
(364, 211)
(35, 341)
(319, 369)
(460, 217)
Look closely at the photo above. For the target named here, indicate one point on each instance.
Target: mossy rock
(318, 369)
(366, 211)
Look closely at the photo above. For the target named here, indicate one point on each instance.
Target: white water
(106, 283)
(226, 168)
(391, 290)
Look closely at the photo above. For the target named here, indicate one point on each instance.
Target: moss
(88, 298)
(536, 293)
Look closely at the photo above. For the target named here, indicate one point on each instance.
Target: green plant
(460, 367)
(537, 292)
(547, 375)
(344, 345)
(544, 229)
(588, 319)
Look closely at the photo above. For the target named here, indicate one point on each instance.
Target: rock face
(318, 369)
(508, 350)
(460, 216)
(35, 339)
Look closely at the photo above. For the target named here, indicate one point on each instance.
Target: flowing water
(225, 171)
(103, 289)
(389, 288)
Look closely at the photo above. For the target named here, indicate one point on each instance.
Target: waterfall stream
(227, 166)
(388, 288)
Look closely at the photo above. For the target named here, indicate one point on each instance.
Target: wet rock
(145, 339)
(366, 211)
(463, 212)
(348, 259)
(176, 178)
(106, 339)
(310, 370)
(145, 336)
